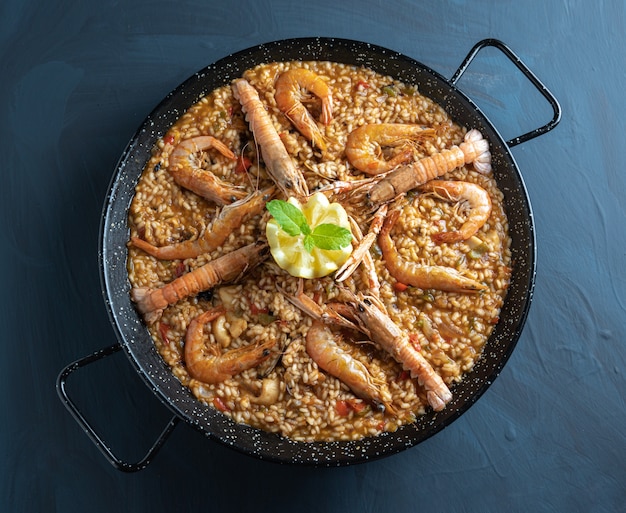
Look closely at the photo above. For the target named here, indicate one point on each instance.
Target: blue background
(77, 79)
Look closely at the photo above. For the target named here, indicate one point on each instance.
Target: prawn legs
(361, 252)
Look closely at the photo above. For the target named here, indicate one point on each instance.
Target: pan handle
(527, 73)
(91, 432)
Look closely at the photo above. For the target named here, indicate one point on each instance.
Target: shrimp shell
(423, 276)
(279, 164)
(205, 362)
(289, 100)
(229, 219)
(323, 349)
(225, 269)
(363, 146)
(382, 330)
(473, 194)
(474, 149)
(185, 169)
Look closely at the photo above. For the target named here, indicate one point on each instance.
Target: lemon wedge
(291, 252)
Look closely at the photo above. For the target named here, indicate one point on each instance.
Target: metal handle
(527, 73)
(91, 432)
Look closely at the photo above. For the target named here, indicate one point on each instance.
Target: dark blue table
(76, 80)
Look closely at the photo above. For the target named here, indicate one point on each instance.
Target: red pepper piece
(400, 287)
(220, 404)
(243, 164)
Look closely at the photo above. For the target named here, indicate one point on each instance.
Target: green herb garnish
(326, 236)
(289, 217)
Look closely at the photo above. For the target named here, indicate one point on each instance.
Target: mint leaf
(330, 236)
(325, 236)
(308, 243)
(289, 217)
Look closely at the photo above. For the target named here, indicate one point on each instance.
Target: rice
(311, 404)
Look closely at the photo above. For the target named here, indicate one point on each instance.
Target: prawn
(225, 269)
(474, 150)
(353, 192)
(288, 98)
(230, 218)
(361, 252)
(381, 329)
(370, 317)
(364, 145)
(205, 362)
(422, 276)
(184, 166)
(474, 195)
(279, 164)
(322, 347)
(370, 275)
(311, 308)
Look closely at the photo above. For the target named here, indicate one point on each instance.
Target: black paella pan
(133, 336)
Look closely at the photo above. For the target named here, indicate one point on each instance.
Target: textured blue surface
(77, 78)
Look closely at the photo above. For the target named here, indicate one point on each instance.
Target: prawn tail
(437, 402)
(437, 392)
(143, 298)
(476, 150)
(447, 237)
(145, 246)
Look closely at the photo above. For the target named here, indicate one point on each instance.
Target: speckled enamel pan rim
(134, 336)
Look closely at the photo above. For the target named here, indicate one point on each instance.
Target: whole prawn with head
(184, 166)
(206, 363)
(279, 164)
(469, 194)
(323, 348)
(226, 269)
(229, 219)
(423, 276)
(364, 146)
(473, 150)
(291, 88)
